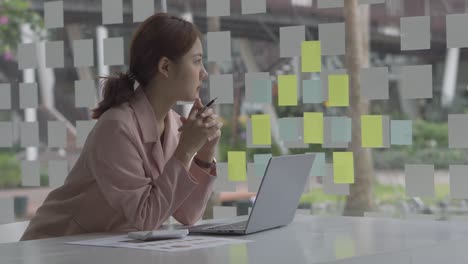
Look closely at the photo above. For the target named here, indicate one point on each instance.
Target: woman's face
(190, 73)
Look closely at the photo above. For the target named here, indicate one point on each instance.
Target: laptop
(277, 198)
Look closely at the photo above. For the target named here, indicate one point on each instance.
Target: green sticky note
(341, 129)
(261, 162)
(261, 91)
(311, 59)
(261, 130)
(237, 166)
(343, 167)
(401, 132)
(238, 254)
(313, 128)
(312, 92)
(288, 128)
(338, 90)
(287, 90)
(371, 131)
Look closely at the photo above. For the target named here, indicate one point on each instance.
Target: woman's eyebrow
(198, 54)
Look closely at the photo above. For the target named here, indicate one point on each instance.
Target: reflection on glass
(238, 254)
(344, 246)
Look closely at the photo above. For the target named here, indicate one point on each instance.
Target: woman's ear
(163, 66)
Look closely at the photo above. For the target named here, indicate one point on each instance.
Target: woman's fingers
(215, 135)
(197, 105)
(207, 113)
(212, 122)
(215, 131)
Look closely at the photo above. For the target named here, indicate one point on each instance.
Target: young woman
(136, 169)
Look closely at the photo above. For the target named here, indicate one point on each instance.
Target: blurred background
(49, 127)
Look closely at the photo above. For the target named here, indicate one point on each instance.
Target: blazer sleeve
(117, 166)
(192, 209)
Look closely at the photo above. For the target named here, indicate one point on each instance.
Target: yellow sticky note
(313, 128)
(237, 166)
(287, 90)
(343, 167)
(261, 130)
(311, 59)
(371, 131)
(338, 90)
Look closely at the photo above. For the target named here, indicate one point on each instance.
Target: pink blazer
(125, 179)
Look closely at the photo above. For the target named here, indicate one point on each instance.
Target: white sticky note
(253, 6)
(58, 170)
(6, 134)
(83, 127)
(7, 209)
(222, 183)
(5, 96)
(30, 173)
(56, 134)
(85, 94)
(142, 9)
(112, 12)
(114, 51)
(28, 93)
(53, 14)
(83, 53)
(29, 134)
(54, 51)
(27, 56)
(224, 211)
(219, 46)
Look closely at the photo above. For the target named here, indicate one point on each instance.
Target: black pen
(202, 110)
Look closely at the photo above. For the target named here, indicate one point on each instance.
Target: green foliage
(44, 178)
(397, 158)
(428, 134)
(14, 13)
(10, 171)
(319, 196)
(389, 194)
(430, 146)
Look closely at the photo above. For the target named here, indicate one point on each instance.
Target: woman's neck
(161, 104)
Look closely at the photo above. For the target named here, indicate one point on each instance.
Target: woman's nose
(204, 74)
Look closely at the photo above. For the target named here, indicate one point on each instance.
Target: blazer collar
(146, 119)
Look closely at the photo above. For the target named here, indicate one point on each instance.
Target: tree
(14, 13)
(360, 198)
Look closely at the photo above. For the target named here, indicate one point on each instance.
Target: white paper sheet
(168, 245)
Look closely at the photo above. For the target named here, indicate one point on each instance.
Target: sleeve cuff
(202, 175)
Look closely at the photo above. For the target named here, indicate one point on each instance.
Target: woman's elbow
(188, 221)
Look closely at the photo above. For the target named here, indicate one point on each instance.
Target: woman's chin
(197, 94)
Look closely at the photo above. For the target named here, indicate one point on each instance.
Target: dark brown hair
(161, 35)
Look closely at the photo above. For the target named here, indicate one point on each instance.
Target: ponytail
(116, 90)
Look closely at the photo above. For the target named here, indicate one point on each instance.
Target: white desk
(309, 239)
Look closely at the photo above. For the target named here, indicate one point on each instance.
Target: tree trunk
(360, 198)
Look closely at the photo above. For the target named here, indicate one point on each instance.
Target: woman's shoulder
(121, 116)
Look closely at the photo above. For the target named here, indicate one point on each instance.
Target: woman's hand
(211, 122)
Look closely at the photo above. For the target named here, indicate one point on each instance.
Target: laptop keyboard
(233, 226)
